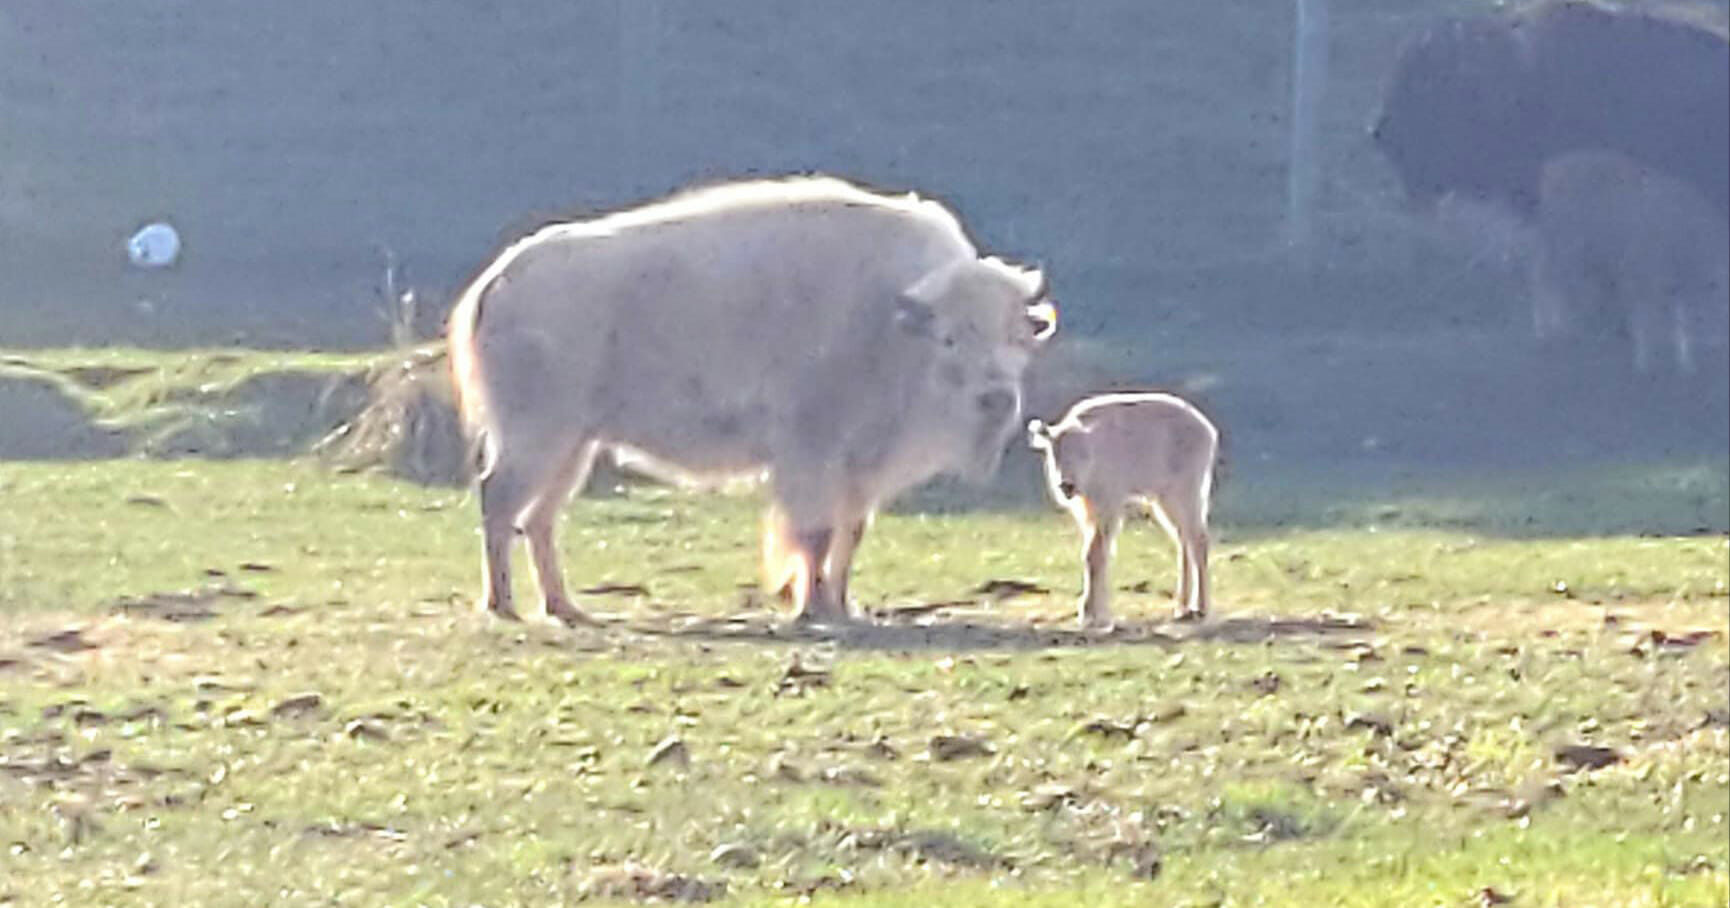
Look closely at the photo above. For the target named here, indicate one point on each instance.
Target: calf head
(980, 320)
(1067, 456)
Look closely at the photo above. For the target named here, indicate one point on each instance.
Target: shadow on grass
(971, 635)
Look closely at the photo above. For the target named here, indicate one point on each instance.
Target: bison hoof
(822, 618)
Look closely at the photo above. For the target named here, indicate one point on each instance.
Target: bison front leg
(813, 595)
(839, 569)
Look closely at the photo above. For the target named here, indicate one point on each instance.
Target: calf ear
(1038, 435)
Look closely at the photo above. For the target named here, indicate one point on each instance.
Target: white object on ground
(155, 245)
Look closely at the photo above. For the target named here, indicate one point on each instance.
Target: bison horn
(1042, 318)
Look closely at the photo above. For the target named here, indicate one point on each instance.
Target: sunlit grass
(1402, 752)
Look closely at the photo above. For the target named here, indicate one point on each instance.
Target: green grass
(1370, 719)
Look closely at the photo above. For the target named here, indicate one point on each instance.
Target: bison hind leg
(540, 522)
(522, 491)
(504, 493)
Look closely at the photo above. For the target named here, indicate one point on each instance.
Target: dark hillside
(1137, 148)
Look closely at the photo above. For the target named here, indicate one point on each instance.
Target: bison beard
(1476, 106)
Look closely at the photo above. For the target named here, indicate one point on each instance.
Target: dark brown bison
(1476, 106)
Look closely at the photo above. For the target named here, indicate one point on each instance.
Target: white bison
(1153, 449)
(1623, 247)
(848, 343)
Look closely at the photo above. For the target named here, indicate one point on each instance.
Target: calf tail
(1221, 466)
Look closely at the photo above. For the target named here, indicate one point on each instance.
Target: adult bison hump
(1476, 106)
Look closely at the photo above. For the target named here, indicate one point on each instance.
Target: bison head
(1458, 117)
(980, 321)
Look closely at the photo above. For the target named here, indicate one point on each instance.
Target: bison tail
(466, 380)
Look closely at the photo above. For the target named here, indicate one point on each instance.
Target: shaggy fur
(848, 343)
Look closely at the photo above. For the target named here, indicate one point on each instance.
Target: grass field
(253, 682)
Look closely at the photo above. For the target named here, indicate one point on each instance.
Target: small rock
(736, 855)
(1381, 726)
(297, 705)
(1489, 897)
(1267, 683)
(365, 729)
(1587, 756)
(882, 749)
(1106, 728)
(944, 748)
(670, 749)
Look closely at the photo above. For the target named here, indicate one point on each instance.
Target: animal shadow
(887, 632)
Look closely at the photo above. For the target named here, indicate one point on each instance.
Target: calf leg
(1157, 509)
(1186, 519)
(539, 522)
(1099, 541)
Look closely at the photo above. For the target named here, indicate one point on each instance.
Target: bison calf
(1156, 450)
(1626, 247)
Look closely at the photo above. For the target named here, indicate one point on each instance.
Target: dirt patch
(43, 422)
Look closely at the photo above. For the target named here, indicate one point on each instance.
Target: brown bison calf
(1627, 248)
(1155, 450)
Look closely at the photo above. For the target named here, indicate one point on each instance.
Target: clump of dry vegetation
(409, 425)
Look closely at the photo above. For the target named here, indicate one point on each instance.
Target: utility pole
(1303, 162)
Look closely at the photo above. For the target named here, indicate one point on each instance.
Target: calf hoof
(569, 615)
(1098, 623)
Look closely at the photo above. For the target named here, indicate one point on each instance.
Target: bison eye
(996, 403)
